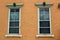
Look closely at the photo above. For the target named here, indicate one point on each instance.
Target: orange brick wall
(29, 19)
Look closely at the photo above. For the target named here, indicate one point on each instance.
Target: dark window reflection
(45, 30)
(14, 10)
(44, 23)
(14, 30)
(14, 23)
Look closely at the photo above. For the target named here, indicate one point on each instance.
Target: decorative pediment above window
(44, 4)
(14, 5)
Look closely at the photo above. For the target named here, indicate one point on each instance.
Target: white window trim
(45, 35)
(14, 35)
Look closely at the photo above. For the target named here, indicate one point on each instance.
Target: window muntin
(44, 21)
(14, 21)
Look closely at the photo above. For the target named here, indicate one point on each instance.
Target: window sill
(10, 35)
(50, 36)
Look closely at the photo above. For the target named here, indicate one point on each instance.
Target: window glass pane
(14, 30)
(44, 23)
(44, 9)
(14, 24)
(17, 10)
(45, 30)
(14, 10)
(11, 10)
(44, 14)
(14, 16)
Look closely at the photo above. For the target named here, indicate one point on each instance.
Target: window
(14, 21)
(44, 21)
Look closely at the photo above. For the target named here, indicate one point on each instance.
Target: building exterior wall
(29, 19)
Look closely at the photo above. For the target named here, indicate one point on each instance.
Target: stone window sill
(10, 35)
(50, 36)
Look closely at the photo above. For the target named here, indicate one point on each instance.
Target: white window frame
(50, 21)
(19, 22)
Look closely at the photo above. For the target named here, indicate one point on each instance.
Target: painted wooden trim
(8, 20)
(41, 4)
(13, 35)
(45, 36)
(20, 21)
(50, 21)
(17, 5)
(38, 21)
